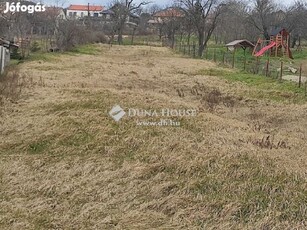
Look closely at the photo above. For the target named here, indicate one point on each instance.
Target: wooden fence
(4, 58)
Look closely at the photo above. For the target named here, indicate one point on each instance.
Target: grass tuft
(89, 49)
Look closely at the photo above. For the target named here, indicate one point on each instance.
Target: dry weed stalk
(11, 85)
(268, 143)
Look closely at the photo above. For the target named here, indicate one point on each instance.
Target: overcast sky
(98, 2)
(107, 2)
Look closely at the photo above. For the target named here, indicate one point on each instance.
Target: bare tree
(123, 9)
(261, 16)
(295, 21)
(71, 33)
(187, 28)
(233, 24)
(172, 24)
(152, 9)
(204, 15)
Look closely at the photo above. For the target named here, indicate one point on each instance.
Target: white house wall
(80, 14)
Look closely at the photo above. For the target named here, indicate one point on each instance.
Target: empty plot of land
(66, 164)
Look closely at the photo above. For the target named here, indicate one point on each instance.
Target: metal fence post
(233, 58)
(267, 68)
(244, 64)
(281, 69)
(214, 55)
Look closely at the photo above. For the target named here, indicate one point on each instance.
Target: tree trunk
(173, 40)
(216, 39)
(160, 33)
(266, 34)
(181, 36)
(120, 37)
(294, 40)
(189, 37)
(133, 33)
(201, 45)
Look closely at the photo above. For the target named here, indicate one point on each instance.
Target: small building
(244, 44)
(8, 44)
(161, 17)
(4, 58)
(167, 14)
(53, 12)
(107, 14)
(80, 11)
(6, 47)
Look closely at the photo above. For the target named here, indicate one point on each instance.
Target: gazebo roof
(240, 44)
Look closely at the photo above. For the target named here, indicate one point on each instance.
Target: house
(133, 19)
(107, 15)
(57, 13)
(80, 11)
(162, 17)
(166, 14)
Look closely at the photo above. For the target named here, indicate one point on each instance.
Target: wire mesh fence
(275, 68)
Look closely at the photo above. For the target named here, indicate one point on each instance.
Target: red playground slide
(261, 52)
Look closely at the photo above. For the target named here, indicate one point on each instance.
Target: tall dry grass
(12, 84)
(65, 164)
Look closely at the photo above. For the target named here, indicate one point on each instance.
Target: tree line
(228, 20)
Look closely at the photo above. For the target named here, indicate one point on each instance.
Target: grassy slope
(66, 164)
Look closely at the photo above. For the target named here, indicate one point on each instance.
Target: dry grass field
(241, 163)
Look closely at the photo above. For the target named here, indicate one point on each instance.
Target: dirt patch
(294, 78)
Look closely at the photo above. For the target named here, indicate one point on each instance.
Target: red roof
(85, 8)
(170, 12)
